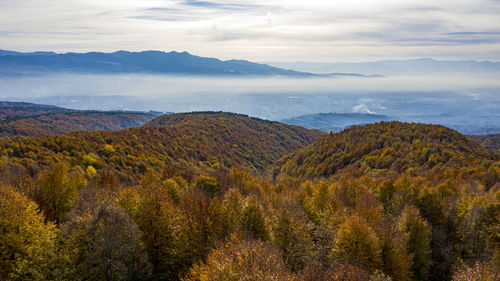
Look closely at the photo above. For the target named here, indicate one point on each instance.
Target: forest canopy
(218, 196)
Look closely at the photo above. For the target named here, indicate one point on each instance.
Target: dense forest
(220, 196)
(25, 119)
(389, 148)
(25, 109)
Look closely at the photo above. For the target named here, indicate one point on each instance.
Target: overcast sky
(259, 30)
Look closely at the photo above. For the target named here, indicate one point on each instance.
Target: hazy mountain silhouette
(395, 67)
(334, 121)
(15, 63)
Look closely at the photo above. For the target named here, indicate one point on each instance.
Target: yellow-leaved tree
(242, 260)
(357, 243)
(27, 243)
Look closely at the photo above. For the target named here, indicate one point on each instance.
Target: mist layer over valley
(463, 101)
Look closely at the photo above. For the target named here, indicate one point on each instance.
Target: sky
(259, 30)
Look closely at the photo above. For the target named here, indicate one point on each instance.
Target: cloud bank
(259, 30)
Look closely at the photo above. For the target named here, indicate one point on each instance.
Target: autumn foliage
(215, 196)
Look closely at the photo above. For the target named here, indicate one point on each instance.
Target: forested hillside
(427, 174)
(26, 119)
(190, 197)
(388, 148)
(63, 123)
(23, 109)
(208, 140)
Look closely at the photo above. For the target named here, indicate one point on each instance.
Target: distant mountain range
(16, 63)
(184, 63)
(14, 53)
(394, 67)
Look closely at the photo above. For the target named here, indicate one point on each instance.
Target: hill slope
(27, 119)
(378, 149)
(160, 198)
(134, 62)
(24, 109)
(63, 123)
(201, 141)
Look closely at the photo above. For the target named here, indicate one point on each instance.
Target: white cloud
(262, 30)
(362, 108)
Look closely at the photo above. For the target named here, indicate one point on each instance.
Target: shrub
(208, 184)
(253, 222)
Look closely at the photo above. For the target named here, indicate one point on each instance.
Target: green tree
(208, 184)
(385, 194)
(318, 201)
(162, 228)
(58, 189)
(254, 223)
(131, 203)
(292, 232)
(417, 234)
(208, 222)
(396, 260)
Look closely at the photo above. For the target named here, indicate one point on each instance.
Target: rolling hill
(63, 123)
(386, 201)
(26, 119)
(194, 141)
(385, 148)
(23, 109)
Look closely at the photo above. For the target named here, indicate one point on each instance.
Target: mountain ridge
(384, 148)
(182, 63)
(203, 142)
(394, 67)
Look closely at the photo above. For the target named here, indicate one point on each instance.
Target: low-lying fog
(458, 100)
